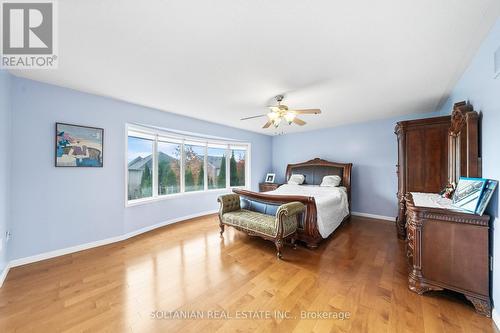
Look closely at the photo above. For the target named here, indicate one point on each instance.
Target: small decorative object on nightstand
(270, 177)
(266, 187)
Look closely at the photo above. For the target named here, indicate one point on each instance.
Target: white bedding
(331, 203)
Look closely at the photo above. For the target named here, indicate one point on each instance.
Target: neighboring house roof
(139, 162)
(133, 165)
(213, 161)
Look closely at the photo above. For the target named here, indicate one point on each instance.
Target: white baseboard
(496, 317)
(81, 247)
(67, 250)
(4, 273)
(165, 223)
(373, 216)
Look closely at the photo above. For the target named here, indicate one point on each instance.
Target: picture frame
(270, 177)
(468, 193)
(79, 146)
(489, 189)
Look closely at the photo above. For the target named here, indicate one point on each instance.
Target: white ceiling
(224, 60)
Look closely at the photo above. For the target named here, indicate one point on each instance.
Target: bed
(326, 207)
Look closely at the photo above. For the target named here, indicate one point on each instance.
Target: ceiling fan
(281, 113)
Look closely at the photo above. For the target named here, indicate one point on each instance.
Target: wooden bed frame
(314, 171)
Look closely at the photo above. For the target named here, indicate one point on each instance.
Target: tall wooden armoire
(434, 152)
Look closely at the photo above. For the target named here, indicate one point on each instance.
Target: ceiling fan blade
(262, 115)
(307, 111)
(298, 121)
(269, 123)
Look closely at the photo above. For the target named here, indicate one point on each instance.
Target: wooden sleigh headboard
(314, 171)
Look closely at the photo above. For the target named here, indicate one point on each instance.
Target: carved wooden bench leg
(279, 246)
(221, 229)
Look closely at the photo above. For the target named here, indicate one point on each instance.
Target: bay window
(162, 164)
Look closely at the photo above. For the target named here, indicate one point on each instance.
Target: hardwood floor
(115, 288)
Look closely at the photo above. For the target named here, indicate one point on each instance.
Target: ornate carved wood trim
(416, 215)
(458, 119)
(482, 306)
(407, 124)
(417, 220)
(463, 140)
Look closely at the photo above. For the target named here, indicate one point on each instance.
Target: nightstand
(265, 187)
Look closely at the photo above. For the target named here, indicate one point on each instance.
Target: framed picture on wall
(79, 146)
(468, 193)
(270, 177)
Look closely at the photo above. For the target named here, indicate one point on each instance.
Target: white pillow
(331, 181)
(296, 179)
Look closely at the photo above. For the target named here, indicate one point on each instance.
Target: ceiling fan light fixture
(289, 117)
(273, 115)
(276, 122)
(280, 115)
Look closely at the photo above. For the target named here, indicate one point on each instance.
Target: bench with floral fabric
(277, 228)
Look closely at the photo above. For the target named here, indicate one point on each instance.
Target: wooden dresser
(447, 249)
(434, 152)
(266, 187)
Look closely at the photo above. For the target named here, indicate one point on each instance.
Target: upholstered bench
(277, 228)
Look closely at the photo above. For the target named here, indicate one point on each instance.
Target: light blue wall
(370, 146)
(478, 86)
(54, 208)
(5, 136)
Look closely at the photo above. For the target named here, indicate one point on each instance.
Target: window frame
(219, 146)
(156, 146)
(143, 136)
(165, 135)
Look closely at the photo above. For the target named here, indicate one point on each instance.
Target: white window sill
(144, 201)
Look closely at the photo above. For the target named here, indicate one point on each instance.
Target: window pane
(237, 167)
(216, 167)
(194, 169)
(140, 168)
(169, 168)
